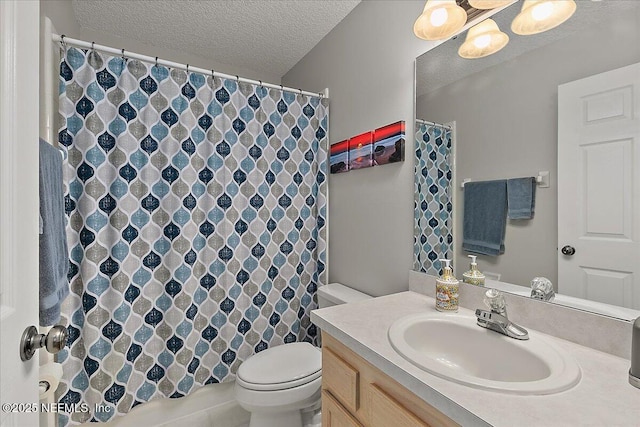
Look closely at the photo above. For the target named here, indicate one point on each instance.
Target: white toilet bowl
(277, 384)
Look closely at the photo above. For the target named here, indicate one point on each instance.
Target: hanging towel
(521, 197)
(485, 217)
(54, 258)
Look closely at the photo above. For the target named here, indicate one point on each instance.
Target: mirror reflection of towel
(521, 197)
(485, 217)
(54, 257)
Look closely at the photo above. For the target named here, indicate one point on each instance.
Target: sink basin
(453, 347)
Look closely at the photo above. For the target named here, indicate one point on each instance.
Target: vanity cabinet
(356, 394)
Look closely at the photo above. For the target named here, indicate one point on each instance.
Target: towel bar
(542, 179)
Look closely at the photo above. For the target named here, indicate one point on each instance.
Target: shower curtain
(196, 231)
(433, 209)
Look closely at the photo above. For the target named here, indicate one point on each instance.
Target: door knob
(53, 342)
(568, 250)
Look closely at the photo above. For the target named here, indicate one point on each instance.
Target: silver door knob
(53, 342)
(568, 250)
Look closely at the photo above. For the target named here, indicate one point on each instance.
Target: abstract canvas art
(361, 151)
(339, 159)
(388, 144)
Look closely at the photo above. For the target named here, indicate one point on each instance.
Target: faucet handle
(494, 299)
(484, 316)
(542, 289)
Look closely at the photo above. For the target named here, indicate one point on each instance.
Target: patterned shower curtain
(197, 235)
(433, 209)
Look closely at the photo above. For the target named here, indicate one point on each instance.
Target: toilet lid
(284, 366)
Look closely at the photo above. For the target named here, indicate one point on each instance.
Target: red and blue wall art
(379, 147)
(361, 151)
(339, 157)
(388, 144)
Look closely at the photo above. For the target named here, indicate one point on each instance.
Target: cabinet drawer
(334, 415)
(386, 411)
(341, 379)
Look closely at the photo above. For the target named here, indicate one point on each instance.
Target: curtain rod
(427, 122)
(154, 60)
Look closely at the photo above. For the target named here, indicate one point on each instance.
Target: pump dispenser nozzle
(447, 271)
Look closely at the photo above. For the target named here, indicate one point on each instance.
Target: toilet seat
(280, 368)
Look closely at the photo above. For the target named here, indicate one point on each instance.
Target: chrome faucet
(496, 319)
(542, 289)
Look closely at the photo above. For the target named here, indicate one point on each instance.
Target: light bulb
(542, 11)
(482, 41)
(439, 17)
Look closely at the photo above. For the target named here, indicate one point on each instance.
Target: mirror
(503, 110)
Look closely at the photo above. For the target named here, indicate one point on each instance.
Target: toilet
(281, 383)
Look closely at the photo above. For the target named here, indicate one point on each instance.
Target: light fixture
(483, 40)
(488, 4)
(440, 19)
(537, 16)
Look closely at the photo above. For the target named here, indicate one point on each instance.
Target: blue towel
(54, 258)
(521, 197)
(485, 217)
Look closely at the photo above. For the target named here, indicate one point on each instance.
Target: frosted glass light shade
(483, 40)
(440, 19)
(537, 16)
(489, 4)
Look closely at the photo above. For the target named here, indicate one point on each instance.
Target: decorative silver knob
(568, 250)
(53, 342)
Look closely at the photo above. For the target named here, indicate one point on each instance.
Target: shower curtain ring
(156, 62)
(300, 92)
(62, 42)
(92, 46)
(123, 54)
(187, 68)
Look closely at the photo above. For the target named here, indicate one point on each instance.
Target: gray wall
(367, 64)
(506, 123)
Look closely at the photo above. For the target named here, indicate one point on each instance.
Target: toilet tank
(337, 293)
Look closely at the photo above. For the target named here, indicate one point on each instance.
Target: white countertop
(603, 397)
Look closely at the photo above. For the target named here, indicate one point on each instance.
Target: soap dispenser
(473, 276)
(447, 289)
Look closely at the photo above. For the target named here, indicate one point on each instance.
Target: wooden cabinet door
(386, 411)
(334, 415)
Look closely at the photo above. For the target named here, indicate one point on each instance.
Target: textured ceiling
(442, 65)
(268, 35)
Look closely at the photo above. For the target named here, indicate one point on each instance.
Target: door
(19, 21)
(599, 187)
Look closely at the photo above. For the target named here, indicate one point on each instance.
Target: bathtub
(213, 405)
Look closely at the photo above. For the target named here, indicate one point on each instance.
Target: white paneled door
(19, 26)
(599, 187)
